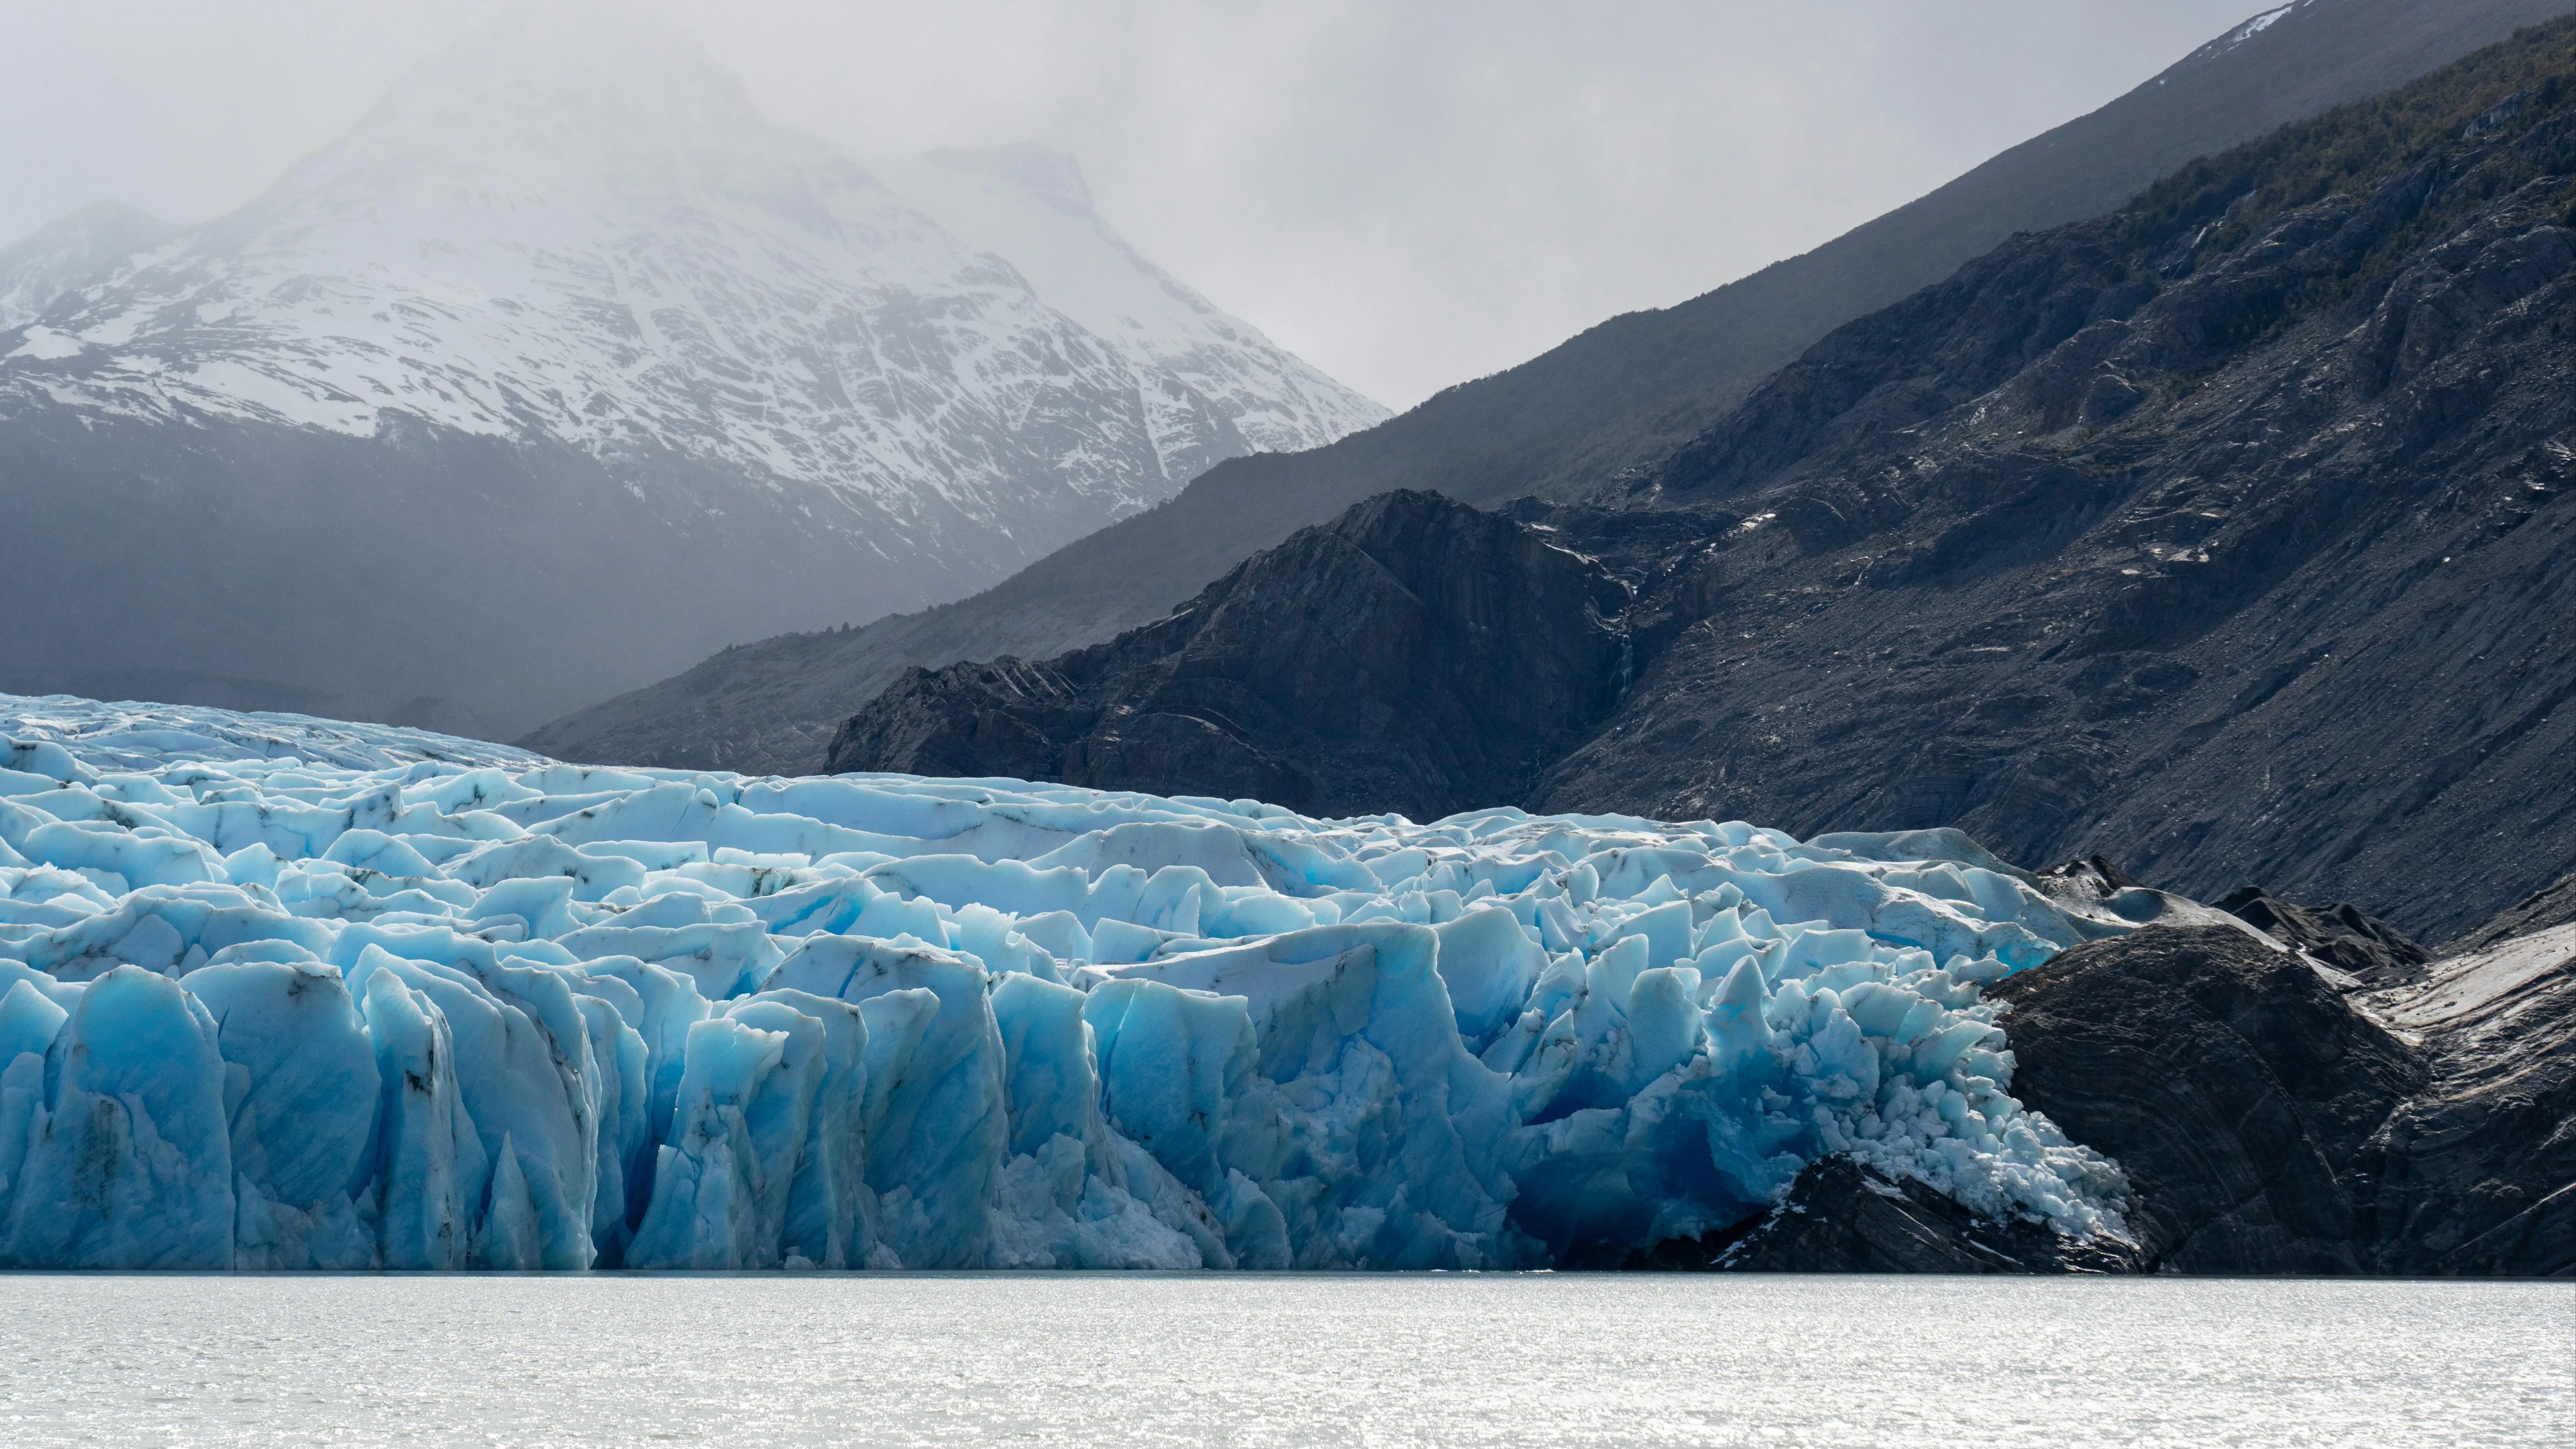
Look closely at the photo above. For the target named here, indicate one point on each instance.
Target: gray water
(1340, 1361)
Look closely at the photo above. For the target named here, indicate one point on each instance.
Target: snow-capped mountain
(605, 244)
(572, 235)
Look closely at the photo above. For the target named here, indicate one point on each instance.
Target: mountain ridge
(1604, 399)
(2216, 536)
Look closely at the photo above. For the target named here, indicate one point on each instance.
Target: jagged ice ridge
(282, 993)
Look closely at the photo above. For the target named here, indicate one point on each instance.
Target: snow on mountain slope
(1030, 205)
(574, 228)
(61, 255)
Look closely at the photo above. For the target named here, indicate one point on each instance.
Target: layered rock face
(2271, 1124)
(1415, 656)
(2477, 1173)
(2234, 1085)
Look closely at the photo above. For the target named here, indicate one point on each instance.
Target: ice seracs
(278, 993)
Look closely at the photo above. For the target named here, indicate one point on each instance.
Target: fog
(1407, 194)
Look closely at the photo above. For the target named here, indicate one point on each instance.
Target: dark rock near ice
(1417, 655)
(1842, 1216)
(2371, 951)
(2477, 1172)
(2272, 1123)
(2231, 1081)
(2269, 1120)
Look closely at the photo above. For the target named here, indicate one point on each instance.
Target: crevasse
(282, 994)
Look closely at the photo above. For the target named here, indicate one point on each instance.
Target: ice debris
(389, 1002)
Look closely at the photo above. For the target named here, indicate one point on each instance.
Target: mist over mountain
(60, 256)
(1620, 394)
(566, 272)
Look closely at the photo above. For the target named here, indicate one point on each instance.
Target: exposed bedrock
(1843, 1216)
(2232, 1082)
(1415, 655)
(2477, 1174)
(2272, 1115)
(2270, 1124)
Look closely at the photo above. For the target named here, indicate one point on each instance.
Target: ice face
(280, 994)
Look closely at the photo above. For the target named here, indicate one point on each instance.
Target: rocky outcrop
(2233, 1083)
(2477, 1172)
(2271, 1122)
(1416, 655)
(2370, 951)
(1841, 1216)
(2271, 1118)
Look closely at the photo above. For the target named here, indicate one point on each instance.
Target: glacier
(281, 993)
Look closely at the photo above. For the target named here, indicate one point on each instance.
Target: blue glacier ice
(280, 993)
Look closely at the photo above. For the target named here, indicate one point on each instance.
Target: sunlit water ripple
(1326, 1360)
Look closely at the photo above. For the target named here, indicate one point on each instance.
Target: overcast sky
(1408, 193)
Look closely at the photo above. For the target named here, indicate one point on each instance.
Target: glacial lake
(1344, 1361)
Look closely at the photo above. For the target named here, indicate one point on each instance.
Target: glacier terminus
(277, 993)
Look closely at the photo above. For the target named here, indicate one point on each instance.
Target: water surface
(1344, 1361)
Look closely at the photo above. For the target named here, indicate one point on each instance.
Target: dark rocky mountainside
(1454, 654)
(2552, 905)
(1624, 392)
(2224, 532)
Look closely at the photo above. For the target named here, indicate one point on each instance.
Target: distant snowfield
(286, 993)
